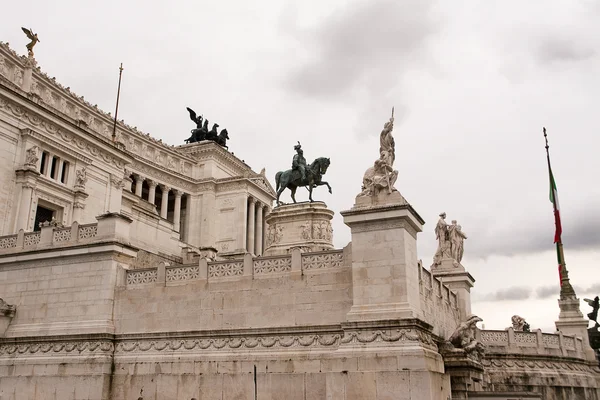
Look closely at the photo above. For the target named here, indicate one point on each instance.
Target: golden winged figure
(34, 40)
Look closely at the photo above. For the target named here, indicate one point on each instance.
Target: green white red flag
(554, 200)
(556, 207)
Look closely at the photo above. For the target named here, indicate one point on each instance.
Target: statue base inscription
(306, 226)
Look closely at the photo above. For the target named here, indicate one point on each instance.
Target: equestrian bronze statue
(301, 174)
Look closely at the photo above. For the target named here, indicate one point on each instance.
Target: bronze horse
(291, 179)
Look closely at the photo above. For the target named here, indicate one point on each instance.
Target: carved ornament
(6, 309)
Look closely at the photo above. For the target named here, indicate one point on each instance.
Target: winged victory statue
(34, 40)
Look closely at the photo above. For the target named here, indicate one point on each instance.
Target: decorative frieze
(69, 139)
(529, 363)
(300, 225)
(58, 348)
(283, 341)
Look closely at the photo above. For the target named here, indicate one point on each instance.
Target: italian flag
(558, 231)
(554, 200)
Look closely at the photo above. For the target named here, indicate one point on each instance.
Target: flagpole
(114, 133)
(566, 290)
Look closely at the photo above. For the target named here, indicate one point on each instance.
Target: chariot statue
(202, 133)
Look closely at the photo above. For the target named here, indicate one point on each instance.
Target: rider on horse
(299, 162)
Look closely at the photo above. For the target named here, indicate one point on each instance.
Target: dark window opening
(53, 167)
(43, 162)
(42, 214)
(64, 172)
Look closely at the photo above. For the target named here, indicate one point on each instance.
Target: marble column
(127, 181)
(250, 227)
(59, 166)
(48, 166)
(164, 204)
(151, 191)
(139, 180)
(25, 206)
(177, 210)
(258, 247)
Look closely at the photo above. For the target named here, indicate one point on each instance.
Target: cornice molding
(208, 150)
(71, 138)
(55, 145)
(48, 92)
(161, 177)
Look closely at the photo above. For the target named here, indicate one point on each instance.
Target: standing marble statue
(457, 238)
(381, 177)
(450, 241)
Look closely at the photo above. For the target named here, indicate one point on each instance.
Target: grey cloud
(594, 289)
(510, 293)
(545, 292)
(579, 233)
(556, 49)
(541, 292)
(370, 42)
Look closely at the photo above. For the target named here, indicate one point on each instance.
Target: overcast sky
(473, 83)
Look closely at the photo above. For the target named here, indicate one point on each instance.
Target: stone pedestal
(113, 226)
(78, 205)
(571, 322)
(306, 226)
(384, 258)
(30, 63)
(454, 275)
(466, 373)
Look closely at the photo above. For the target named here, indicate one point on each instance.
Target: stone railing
(259, 267)
(430, 285)
(510, 341)
(438, 303)
(48, 236)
